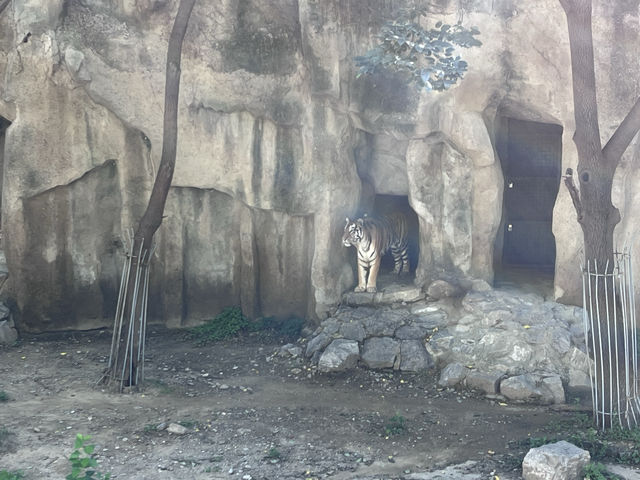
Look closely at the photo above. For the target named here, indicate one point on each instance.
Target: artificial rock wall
(277, 143)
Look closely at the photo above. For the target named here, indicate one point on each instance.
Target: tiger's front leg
(362, 278)
(373, 275)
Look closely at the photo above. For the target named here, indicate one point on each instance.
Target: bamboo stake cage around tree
(611, 336)
(128, 347)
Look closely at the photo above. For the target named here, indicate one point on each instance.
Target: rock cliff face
(278, 142)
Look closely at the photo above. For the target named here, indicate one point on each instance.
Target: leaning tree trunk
(4, 4)
(596, 214)
(122, 353)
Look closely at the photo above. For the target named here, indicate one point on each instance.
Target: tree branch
(573, 191)
(623, 135)
(4, 4)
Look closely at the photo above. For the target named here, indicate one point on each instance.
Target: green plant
(597, 471)
(396, 425)
(617, 445)
(427, 57)
(14, 475)
(4, 396)
(163, 387)
(82, 463)
(226, 324)
(273, 454)
(535, 442)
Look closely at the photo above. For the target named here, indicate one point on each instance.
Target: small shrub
(163, 387)
(535, 442)
(396, 425)
(597, 471)
(273, 454)
(227, 324)
(4, 396)
(82, 463)
(291, 327)
(188, 423)
(7, 475)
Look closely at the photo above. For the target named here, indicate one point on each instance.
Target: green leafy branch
(427, 57)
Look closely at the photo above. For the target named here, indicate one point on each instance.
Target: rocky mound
(500, 342)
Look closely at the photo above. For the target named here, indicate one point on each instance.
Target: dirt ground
(250, 414)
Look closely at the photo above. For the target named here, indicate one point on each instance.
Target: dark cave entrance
(385, 205)
(382, 168)
(531, 158)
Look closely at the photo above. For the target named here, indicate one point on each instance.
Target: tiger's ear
(360, 222)
(347, 221)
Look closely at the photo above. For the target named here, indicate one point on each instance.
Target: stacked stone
(498, 342)
(378, 338)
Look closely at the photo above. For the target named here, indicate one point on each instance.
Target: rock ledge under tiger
(373, 237)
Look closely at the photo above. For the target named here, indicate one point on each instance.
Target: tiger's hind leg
(400, 260)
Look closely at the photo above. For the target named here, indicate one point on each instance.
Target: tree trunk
(125, 361)
(596, 214)
(4, 4)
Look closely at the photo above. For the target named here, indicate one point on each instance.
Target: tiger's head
(353, 232)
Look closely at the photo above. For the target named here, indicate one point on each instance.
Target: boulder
(290, 350)
(8, 334)
(385, 322)
(487, 382)
(330, 326)
(533, 388)
(4, 312)
(414, 357)
(411, 332)
(340, 355)
(555, 461)
(317, 344)
(395, 293)
(177, 429)
(452, 375)
(478, 285)
(381, 352)
(437, 318)
(553, 390)
(352, 331)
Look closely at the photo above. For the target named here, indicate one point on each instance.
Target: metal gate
(532, 178)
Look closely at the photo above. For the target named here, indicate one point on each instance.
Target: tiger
(373, 237)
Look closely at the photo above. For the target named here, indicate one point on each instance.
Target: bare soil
(250, 414)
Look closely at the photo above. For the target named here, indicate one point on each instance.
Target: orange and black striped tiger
(373, 237)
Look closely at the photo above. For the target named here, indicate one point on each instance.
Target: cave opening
(380, 205)
(382, 168)
(390, 204)
(525, 250)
